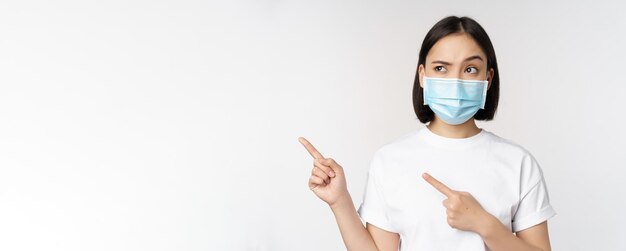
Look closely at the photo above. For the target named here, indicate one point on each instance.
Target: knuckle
(320, 172)
(315, 168)
(317, 162)
(322, 167)
(319, 176)
(317, 180)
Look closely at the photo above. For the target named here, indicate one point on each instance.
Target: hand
(464, 212)
(327, 179)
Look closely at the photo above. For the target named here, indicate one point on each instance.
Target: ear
(490, 77)
(420, 71)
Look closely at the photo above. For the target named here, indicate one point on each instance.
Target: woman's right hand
(327, 180)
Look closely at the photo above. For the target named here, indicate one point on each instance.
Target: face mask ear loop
(485, 87)
(425, 90)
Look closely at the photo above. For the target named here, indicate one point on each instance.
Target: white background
(173, 125)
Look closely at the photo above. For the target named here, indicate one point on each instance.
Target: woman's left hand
(464, 212)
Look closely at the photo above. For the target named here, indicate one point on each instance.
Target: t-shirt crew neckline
(430, 137)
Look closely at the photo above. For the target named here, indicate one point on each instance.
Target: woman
(489, 187)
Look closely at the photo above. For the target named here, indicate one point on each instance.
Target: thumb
(332, 164)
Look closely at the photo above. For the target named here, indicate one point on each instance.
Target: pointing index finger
(310, 148)
(438, 185)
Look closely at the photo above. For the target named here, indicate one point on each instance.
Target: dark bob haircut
(447, 26)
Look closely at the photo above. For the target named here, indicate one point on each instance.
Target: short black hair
(447, 26)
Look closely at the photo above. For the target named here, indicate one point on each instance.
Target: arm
(497, 237)
(355, 235)
(328, 182)
(465, 213)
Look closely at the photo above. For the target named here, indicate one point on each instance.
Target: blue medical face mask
(455, 100)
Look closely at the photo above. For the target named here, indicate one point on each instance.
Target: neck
(465, 130)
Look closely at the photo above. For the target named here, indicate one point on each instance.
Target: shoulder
(392, 153)
(508, 148)
(396, 147)
(507, 145)
(518, 157)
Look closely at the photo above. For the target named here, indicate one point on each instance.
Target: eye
(471, 70)
(440, 68)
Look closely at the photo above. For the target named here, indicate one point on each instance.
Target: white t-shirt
(503, 177)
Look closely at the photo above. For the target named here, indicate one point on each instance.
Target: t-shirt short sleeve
(372, 209)
(534, 206)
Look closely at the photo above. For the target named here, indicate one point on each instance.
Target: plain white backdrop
(173, 125)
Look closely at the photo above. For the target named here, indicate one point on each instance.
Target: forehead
(454, 48)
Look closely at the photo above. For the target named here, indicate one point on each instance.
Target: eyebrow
(448, 63)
